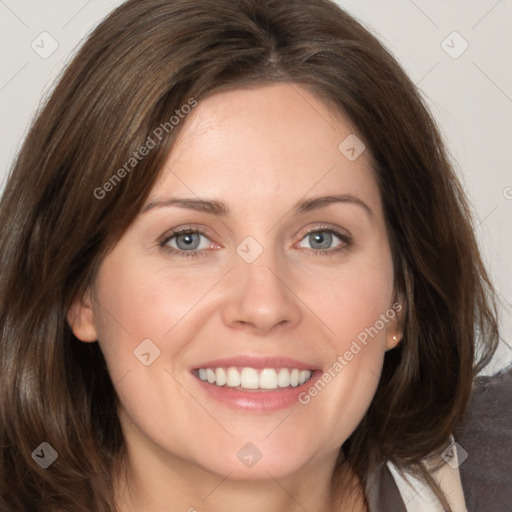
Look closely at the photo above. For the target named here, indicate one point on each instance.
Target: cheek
(354, 307)
(127, 313)
(147, 298)
(136, 301)
(351, 389)
(349, 382)
(353, 299)
(131, 299)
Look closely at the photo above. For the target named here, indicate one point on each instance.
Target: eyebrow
(219, 208)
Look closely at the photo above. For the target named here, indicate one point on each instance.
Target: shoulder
(486, 436)
(486, 473)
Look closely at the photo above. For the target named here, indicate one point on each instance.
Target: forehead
(276, 143)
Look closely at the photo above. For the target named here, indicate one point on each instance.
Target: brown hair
(144, 61)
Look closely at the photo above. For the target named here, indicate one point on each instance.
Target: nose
(261, 296)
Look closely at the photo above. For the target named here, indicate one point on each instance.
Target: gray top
(486, 435)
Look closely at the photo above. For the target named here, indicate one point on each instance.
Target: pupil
(188, 239)
(323, 239)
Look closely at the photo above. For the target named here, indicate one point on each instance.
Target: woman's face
(273, 286)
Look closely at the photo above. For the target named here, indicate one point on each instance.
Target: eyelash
(317, 252)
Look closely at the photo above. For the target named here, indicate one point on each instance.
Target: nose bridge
(264, 275)
(261, 296)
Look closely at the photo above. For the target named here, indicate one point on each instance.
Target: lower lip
(257, 400)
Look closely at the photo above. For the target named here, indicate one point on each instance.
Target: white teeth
(210, 375)
(268, 379)
(250, 378)
(233, 378)
(283, 378)
(220, 377)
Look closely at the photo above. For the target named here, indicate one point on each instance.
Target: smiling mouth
(252, 379)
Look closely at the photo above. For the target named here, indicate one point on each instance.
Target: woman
(165, 341)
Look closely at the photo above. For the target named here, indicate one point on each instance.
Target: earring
(395, 339)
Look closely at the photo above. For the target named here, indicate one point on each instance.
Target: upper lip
(259, 362)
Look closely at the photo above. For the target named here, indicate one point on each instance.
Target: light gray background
(470, 95)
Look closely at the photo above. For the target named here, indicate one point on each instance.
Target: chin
(252, 461)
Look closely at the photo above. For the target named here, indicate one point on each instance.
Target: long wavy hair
(142, 63)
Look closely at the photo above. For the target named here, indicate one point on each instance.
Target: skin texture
(259, 150)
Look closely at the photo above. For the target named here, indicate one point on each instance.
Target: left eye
(322, 239)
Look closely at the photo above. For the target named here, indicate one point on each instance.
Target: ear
(81, 318)
(395, 330)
